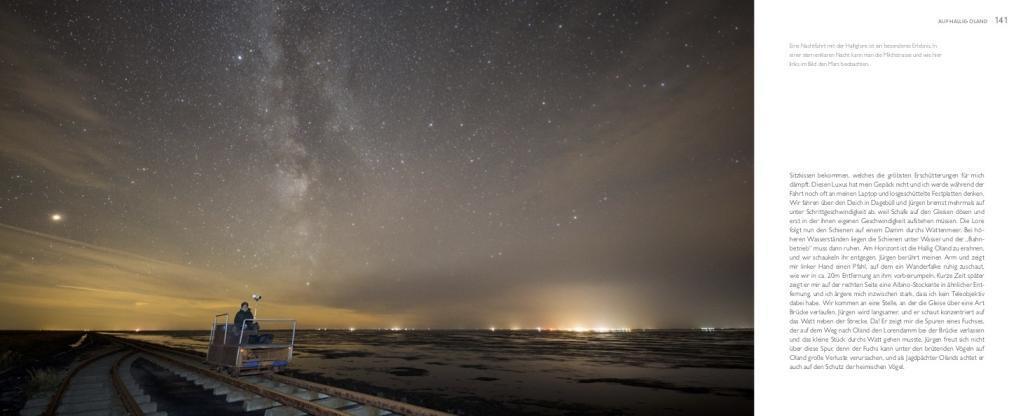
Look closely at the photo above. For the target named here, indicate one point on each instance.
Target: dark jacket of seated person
(243, 314)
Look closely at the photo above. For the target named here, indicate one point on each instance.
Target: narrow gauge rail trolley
(246, 350)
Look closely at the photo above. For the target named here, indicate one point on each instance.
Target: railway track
(97, 386)
(272, 394)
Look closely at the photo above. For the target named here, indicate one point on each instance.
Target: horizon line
(396, 329)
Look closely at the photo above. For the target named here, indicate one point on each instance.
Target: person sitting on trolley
(242, 315)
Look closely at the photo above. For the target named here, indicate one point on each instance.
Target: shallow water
(530, 372)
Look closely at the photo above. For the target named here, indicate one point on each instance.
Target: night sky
(377, 164)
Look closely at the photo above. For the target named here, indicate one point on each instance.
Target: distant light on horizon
(599, 329)
(56, 217)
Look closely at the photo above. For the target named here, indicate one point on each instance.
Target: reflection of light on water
(599, 329)
(80, 341)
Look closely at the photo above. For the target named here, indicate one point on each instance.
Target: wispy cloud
(45, 122)
(51, 282)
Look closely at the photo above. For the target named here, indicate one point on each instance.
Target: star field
(418, 163)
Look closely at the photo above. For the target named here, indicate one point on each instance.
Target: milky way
(444, 164)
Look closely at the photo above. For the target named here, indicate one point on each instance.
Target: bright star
(56, 218)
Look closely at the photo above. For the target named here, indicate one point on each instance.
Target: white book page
(898, 124)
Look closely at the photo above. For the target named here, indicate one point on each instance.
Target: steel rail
(361, 398)
(285, 399)
(127, 400)
(51, 407)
